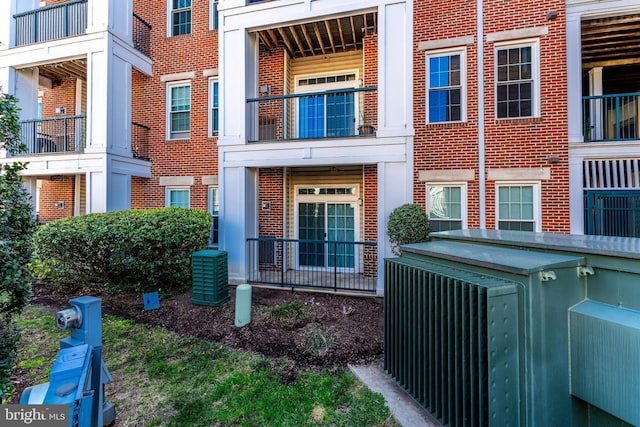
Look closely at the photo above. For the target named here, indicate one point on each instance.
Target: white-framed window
(517, 70)
(446, 73)
(213, 15)
(179, 17)
(447, 205)
(214, 116)
(518, 206)
(214, 210)
(177, 197)
(178, 110)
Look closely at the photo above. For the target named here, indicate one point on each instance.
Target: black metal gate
(612, 212)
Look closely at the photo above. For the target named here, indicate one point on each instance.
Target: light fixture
(551, 15)
(553, 159)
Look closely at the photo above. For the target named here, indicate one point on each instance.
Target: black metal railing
(341, 113)
(611, 117)
(51, 22)
(141, 35)
(140, 140)
(56, 135)
(321, 264)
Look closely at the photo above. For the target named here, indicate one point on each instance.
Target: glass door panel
(311, 226)
(340, 115)
(311, 116)
(341, 228)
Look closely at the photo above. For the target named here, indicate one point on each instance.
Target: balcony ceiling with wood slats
(611, 41)
(76, 68)
(329, 36)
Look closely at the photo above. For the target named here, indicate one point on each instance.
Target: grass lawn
(161, 378)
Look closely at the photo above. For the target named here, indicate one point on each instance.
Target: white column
(394, 189)
(395, 64)
(238, 217)
(574, 78)
(595, 89)
(576, 199)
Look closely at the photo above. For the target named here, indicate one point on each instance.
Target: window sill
(518, 120)
(178, 140)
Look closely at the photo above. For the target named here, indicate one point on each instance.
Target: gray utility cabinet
(495, 328)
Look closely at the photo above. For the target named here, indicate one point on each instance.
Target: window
(214, 210)
(177, 197)
(516, 81)
(447, 206)
(446, 83)
(180, 17)
(518, 207)
(213, 14)
(213, 108)
(179, 110)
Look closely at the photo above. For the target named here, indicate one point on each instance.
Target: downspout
(481, 145)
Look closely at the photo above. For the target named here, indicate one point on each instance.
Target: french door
(327, 226)
(326, 116)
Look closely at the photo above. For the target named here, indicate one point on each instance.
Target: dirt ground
(311, 329)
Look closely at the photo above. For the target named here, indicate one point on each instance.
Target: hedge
(124, 251)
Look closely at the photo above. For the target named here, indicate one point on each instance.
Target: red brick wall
(62, 94)
(370, 206)
(271, 189)
(57, 189)
(370, 56)
(195, 52)
(271, 73)
(521, 143)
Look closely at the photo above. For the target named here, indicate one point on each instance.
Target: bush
(17, 225)
(407, 224)
(126, 251)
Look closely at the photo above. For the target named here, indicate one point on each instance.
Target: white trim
(177, 76)
(210, 72)
(210, 190)
(464, 194)
(180, 181)
(169, 190)
(462, 51)
(517, 34)
(171, 85)
(448, 175)
(537, 197)
(534, 44)
(446, 43)
(518, 174)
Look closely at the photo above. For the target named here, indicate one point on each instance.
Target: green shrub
(125, 251)
(17, 224)
(407, 224)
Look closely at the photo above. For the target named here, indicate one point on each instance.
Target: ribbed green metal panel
(451, 341)
(209, 277)
(605, 350)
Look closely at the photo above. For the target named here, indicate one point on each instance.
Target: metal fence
(611, 117)
(51, 22)
(55, 135)
(140, 140)
(341, 113)
(141, 35)
(612, 213)
(334, 265)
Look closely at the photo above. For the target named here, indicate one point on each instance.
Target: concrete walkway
(403, 408)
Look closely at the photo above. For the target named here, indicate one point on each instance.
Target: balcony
(68, 20)
(341, 113)
(57, 135)
(51, 22)
(611, 117)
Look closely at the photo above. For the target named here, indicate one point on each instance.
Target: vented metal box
(504, 328)
(209, 277)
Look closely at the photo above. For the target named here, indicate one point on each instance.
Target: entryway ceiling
(76, 68)
(331, 35)
(611, 41)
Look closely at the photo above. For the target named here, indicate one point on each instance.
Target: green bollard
(243, 305)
